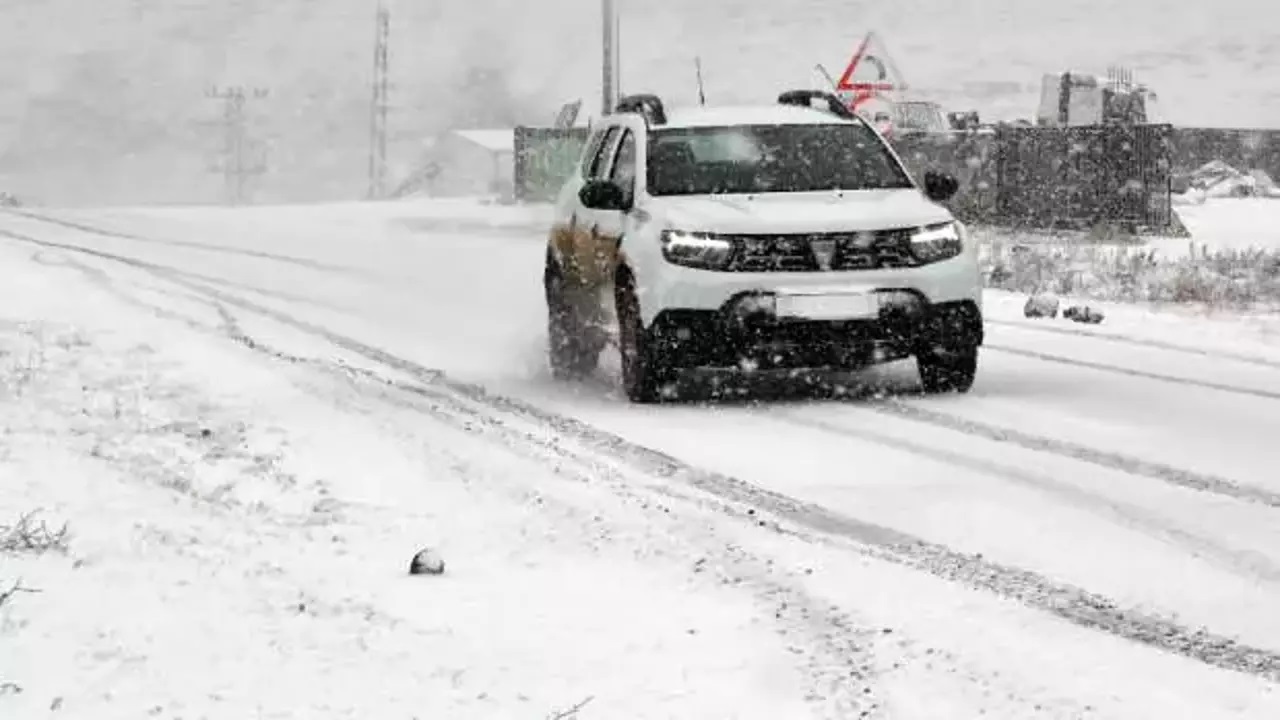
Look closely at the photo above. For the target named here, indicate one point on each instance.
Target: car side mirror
(603, 195)
(939, 186)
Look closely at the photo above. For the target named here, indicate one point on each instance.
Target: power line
(380, 106)
(242, 157)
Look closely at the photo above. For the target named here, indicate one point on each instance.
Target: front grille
(774, 253)
(882, 249)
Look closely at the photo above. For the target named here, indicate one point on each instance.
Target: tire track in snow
(1073, 604)
(1142, 342)
(201, 277)
(1128, 514)
(838, 654)
(1170, 474)
(1105, 367)
(838, 657)
(451, 226)
(208, 247)
(103, 281)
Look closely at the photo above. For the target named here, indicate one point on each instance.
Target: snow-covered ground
(1229, 224)
(241, 528)
(251, 419)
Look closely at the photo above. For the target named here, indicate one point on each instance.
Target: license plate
(845, 306)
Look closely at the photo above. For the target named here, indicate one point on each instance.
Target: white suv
(781, 236)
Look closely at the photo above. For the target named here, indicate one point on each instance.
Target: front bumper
(727, 338)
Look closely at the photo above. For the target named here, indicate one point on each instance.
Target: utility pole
(241, 157)
(702, 91)
(609, 57)
(617, 56)
(378, 110)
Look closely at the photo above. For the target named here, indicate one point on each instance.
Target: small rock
(1083, 314)
(426, 562)
(1041, 306)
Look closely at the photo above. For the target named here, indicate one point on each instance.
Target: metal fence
(1015, 176)
(544, 158)
(1083, 176)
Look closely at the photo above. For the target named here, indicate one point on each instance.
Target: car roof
(691, 117)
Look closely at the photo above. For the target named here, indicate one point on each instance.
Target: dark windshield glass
(769, 158)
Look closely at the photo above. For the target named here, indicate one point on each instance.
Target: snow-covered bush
(1228, 278)
(30, 535)
(1041, 306)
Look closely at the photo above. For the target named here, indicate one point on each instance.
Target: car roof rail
(647, 105)
(805, 98)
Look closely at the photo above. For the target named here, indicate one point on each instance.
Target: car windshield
(747, 159)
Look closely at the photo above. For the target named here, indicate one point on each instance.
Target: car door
(611, 225)
(589, 267)
(574, 243)
(567, 204)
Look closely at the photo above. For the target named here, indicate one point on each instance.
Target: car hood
(827, 211)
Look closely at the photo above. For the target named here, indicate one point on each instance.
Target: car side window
(591, 152)
(623, 172)
(603, 153)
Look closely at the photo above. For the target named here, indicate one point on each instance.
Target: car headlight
(936, 242)
(696, 250)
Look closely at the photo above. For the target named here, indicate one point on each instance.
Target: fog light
(900, 300)
(756, 304)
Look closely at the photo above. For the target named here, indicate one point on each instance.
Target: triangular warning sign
(870, 73)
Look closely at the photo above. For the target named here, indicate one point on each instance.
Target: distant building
(464, 163)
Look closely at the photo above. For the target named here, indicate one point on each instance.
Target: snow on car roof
(749, 115)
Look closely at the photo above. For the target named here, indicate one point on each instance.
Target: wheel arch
(623, 273)
(551, 268)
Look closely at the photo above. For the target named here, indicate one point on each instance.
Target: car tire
(570, 353)
(947, 372)
(642, 371)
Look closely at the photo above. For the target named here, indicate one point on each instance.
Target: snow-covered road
(1093, 531)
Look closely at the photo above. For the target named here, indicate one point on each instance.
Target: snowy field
(250, 420)
(1229, 224)
(105, 100)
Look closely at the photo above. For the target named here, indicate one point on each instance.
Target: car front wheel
(570, 353)
(642, 371)
(948, 372)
